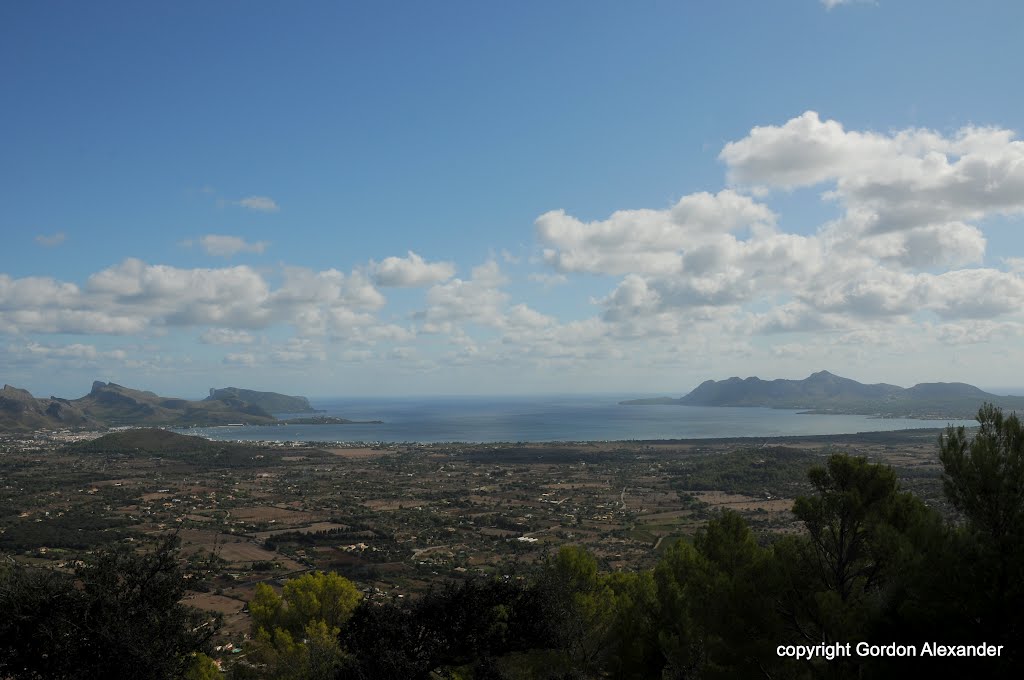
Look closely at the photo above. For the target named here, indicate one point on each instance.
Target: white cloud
(135, 297)
(402, 353)
(888, 183)
(221, 245)
(226, 336)
(298, 351)
(259, 203)
(522, 316)
(899, 269)
(229, 297)
(410, 272)
(78, 351)
(548, 280)
(903, 254)
(646, 241)
(478, 299)
(240, 359)
(832, 4)
(51, 240)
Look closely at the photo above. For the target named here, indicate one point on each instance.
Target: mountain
(109, 404)
(271, 402)
(19, 410)
(117, 405)
(825, 392)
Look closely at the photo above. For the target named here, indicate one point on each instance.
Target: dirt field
(360, 454)
(245, 551)
(717, 499)
(235, 622)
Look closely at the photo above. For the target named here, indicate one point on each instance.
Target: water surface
(548, 418)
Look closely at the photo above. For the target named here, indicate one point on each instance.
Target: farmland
(399, 519)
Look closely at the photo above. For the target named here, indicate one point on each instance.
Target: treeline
(74, 531)
(875, 564)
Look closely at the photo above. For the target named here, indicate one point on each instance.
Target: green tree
(459, 630)
(854, 500)
(680, 579)
(984, 479)
(295, 634)
(585, 606)
(848, 578)
(632, 644)
(984, 476)
(120, 616)
(716, 601)
(265, 608)
(202, 667)
(319, 596)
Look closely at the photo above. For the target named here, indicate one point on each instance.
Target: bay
(553, 418)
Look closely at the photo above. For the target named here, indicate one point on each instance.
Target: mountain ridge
(109, 404)
(823, 392)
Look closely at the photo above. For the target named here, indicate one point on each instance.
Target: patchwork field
(399, 519)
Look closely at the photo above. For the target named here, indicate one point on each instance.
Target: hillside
(147, 440)
(198, 451)
(110, 404)
(20, 411)
(824, 392)
(271, 402)
(117, 405)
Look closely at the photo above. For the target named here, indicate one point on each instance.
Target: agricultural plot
(399, 519)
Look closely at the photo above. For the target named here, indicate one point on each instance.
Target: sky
(408, 198)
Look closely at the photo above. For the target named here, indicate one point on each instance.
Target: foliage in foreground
(875, 564)
(118, 616)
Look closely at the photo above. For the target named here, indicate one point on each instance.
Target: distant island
(111, 405)
(827, 393)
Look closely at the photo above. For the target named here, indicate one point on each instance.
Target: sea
(550, 418)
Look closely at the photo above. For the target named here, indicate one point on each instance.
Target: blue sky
(465, 197)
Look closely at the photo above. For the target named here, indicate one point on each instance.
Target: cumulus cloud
(410, 271)
(259, 203)
(136, 297)
(221, 245)
(904, 252)
(915, 183)
(711, 275)
(479, 299)
(646, 241)
(51, 240)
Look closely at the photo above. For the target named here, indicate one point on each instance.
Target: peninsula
(271, 402)
(827, 393)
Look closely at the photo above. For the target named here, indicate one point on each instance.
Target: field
(399, 519)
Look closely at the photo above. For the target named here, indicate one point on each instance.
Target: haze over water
(554, 418)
